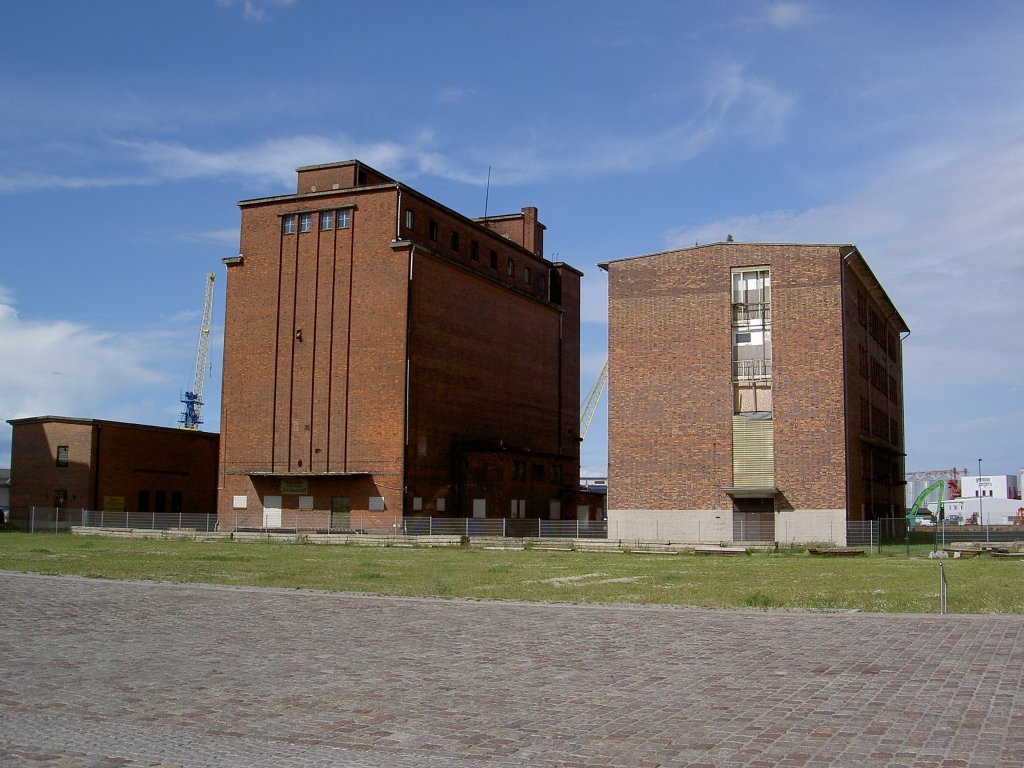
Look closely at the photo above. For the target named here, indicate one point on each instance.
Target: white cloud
(255, 10)
(782, 15)
(60, 368)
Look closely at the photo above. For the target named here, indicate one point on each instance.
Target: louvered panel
(753, 452)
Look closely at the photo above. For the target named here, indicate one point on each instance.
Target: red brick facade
(671, 397)
(375, 359)
(112, 466)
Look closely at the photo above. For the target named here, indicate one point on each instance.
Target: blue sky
(129, 130)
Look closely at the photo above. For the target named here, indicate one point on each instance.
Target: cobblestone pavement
(103, 674)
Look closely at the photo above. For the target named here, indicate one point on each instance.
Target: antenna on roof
(487, 194)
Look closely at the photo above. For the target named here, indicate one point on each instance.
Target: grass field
(770, 580)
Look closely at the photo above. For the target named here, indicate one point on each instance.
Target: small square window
(511, 268)
(344, 218)
(305, 502)
(376, 503)
(455, 241)
(288, 224)
(62, 455)
(432, 230)
(305, 222)
(326, 220)
(410, 218)
(474, 250)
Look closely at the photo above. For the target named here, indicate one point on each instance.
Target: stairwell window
(305, 222)
(288, 224)
(326, 220)
(344, 218)
(62, 455)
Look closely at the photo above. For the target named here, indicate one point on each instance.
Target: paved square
(98, 674)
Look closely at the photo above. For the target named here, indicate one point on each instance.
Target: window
(176, 501)
(542, 282)
(344, 218)
(526, 275)
(288, 224)
(557, 473)
(144, 501)
(538, 471)
(511, 268)
(305, 222)
(376, 503)
(410, 219)
(160, 502)
(326, 220)
(305, 502)
(494, 259)
(432, 230)
(474, 250)
(60, 498)
(455, 241)
(62, 455)
(518, 470)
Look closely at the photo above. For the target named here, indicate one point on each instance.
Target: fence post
(32, 520)
(467, 526)
(56, 520)
(504, 532)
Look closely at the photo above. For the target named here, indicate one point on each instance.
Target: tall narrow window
(526, 275)
(455, 241)
(305, 222)
(344, 218)
(752, 340)
(432, 230)
(474, 250)
(288, 224)
(511, 268)
(62, 455)
(326, 220)
(410, 219)
(494, 259)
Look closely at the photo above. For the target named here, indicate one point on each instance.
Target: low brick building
(755, 394)
(386, 355)
(90, 464)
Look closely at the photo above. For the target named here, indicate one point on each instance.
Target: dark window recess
(455, 241)
(494, 259)
(60, 498)
(160, 502)
(62, 455)
(176, 501)
(511, 268)
(474, 250)
(143, 501)
(432, 230)
(518, 470)
(556, 288)
(538, 471)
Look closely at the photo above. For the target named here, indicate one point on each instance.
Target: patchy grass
(787, 579)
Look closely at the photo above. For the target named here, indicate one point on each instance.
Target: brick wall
(670, 397)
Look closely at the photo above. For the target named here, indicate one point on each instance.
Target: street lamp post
(981, 503)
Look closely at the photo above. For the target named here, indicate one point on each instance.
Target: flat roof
(102, 423)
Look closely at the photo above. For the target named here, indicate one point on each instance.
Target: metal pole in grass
(943, 587)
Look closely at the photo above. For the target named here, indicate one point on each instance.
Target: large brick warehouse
(755, 393)
(385, 355)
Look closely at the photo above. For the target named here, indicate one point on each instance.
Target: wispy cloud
(783, 15)
(55, 367)
(256, 10)
(452, 95)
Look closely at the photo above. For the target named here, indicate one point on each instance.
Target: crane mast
(193, 399)
(593, 398)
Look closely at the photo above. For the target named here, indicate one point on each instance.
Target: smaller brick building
(90, 464)
(755, 394)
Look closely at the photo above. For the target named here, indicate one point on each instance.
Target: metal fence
(863, 533)
(55, 519)
(896, 531)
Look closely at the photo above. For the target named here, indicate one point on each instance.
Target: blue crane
(193, 399)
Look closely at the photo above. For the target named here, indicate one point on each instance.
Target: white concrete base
(714, 526)
(687, 526)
